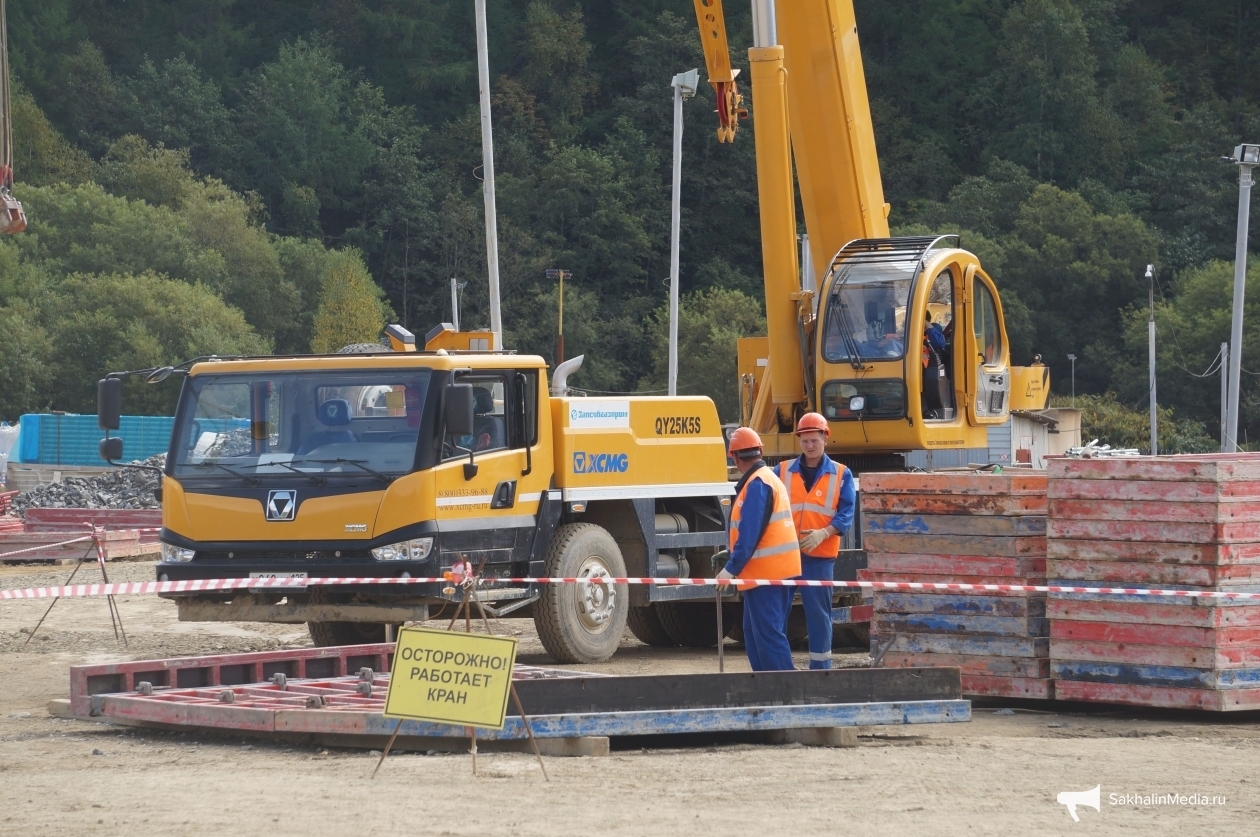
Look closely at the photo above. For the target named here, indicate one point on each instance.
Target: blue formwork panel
(51, 439)
(684, 721)
(1148, 675)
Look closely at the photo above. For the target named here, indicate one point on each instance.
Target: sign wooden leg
(388, 745)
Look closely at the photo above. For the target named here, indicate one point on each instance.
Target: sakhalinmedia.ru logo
(1150, 800)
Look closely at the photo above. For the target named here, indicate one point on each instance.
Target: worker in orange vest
(822, 494)
(763, 544)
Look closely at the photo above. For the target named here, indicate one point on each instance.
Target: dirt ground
(998, 774)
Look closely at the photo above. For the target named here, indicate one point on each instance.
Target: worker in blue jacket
(823, 495)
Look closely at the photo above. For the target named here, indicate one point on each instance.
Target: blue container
(50, 439)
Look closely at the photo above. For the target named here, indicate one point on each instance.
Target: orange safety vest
(778, 553)
(815, 508)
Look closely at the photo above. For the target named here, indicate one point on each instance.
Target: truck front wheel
(582, 623)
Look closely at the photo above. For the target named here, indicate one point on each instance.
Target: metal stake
(388, 745)
(721, 633)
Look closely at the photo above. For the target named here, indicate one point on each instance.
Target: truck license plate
(278, 575)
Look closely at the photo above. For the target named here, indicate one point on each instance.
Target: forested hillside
(206, 175)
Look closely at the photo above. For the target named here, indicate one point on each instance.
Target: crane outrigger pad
(275, 694)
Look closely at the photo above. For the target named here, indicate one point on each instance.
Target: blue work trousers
(765, 622)
(817, 604)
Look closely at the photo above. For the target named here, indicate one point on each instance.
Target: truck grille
(284, 556)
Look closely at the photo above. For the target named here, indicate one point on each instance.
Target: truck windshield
(363, 422)
(866, 313)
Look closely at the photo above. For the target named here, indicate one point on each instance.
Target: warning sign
(451, 678)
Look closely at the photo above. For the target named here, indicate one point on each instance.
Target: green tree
(351, 307)
(42, 156)
(710, 323)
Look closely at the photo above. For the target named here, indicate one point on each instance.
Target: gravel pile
(123, 488)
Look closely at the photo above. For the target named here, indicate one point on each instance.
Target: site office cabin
(404, 463)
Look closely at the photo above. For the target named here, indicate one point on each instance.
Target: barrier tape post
(115, 615)
(53, 604)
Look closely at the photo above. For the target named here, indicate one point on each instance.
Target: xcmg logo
(600, 463)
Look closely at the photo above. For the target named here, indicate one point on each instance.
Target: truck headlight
(416, 549)
(175, 555)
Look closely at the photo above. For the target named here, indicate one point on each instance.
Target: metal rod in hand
(721, 634)
(388, 745)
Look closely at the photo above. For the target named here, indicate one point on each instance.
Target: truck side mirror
(459, 410)
(111, 449)
(109, 403)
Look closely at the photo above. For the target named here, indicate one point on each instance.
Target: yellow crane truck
(385, 461)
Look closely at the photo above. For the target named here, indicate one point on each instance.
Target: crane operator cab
(912, 336)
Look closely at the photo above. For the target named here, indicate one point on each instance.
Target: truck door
(491, 515)
(989, 368)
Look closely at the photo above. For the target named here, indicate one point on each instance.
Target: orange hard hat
(744, 438)
(813, 422)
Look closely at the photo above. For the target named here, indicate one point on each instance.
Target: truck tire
(645, 624)
(851, 636)
(582, 623)
(325, 634)
(694, 624)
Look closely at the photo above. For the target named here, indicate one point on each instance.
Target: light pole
(1246, 157)
(1150, 350)
(553, 273)
(684, 85)
(456, 287)
(1073, 359)
(487, 163)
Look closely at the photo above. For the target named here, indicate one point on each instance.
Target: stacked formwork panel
(1184, 522)
(974, 528)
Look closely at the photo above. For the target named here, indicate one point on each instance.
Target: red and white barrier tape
(44, 546)
(215, 584)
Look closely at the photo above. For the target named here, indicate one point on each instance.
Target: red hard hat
(744, 438)
(813, 421)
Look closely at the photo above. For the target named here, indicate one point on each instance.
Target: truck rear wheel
(582, 623)
(694, 624)
(645, 623)
(325, 634)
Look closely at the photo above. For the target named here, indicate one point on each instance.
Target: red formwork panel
(1092, 651)
(1145, 634)
(1158, 511)
(935, 578)
(984, 505)
(1140, 490)
(1218, 468)
(956, 483)
(1041, 688)
(1135, 573)
(973, 664)
(1153, 551)
(962, 603)
(1155, 531)
(1218, 700)
(961, 545)
(936, 623)
(224, 670)
(993, 567)
(1137, 611)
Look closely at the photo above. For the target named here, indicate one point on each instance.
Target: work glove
(724, 575)
(812, 539)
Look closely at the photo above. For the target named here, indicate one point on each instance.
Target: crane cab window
(866, 314)
(490, 431)
(988, 333)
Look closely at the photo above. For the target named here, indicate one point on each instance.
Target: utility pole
(1150, 350)
(1072, 358)
(487, 162)
(1246, 157)
(684, 85)
(1224, 393)
(553, 273)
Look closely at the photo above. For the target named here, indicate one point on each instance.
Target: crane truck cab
(391, 462)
